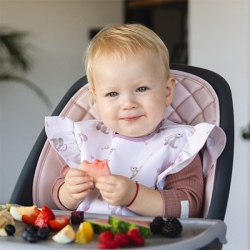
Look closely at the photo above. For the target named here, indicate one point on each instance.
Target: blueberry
(10, 229)
(31, 238)
(25, 234)
(43, 233)
(31, 229)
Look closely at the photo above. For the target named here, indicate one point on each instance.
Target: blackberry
(157, 224)
(172, 228)
(77, 217)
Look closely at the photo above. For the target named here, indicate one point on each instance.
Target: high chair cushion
(194, 101)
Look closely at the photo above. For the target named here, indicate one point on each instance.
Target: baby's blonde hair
(119, 41)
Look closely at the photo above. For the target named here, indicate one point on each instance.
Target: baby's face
(132, 95)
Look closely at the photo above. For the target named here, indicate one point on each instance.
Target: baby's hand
(78, 183)
(117, 190)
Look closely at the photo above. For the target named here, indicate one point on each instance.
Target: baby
(155, 163)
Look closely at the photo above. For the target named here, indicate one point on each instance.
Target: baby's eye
(141, 89)
(112, 94)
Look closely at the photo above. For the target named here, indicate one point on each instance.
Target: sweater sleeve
(183, 192)
(56, 186)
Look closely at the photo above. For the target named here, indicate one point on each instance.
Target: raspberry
(157, 224)
(111, 244)
(135, 237)
(122, 239)
(172, 228)
(106, 236)
(77, 217)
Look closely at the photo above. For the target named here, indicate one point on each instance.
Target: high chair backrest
(200, 96)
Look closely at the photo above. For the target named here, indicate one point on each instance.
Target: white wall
(59, 32)
(219, 40)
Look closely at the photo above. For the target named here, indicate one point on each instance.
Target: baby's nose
(129, 102)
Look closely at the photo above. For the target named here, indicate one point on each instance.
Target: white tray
(197, 233)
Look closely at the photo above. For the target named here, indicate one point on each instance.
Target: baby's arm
(71, 188)
(183, 191)
(186, 185)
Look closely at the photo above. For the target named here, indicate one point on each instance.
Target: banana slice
(3, 232)
(6, 218)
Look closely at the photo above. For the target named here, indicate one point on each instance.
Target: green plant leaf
(5, 77)
(246, 133)
(14, 49)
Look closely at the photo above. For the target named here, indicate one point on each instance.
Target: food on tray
(30, 217)
(106, 240)
(95, 169)
(109, 240)
(84, 234)
(114, 232)
(17, 212)
(172, 228)
(32, 234)
(66, 235)
(5, 218)
(168, 228)
(125, 224)
(157, 224)
(77, 217)
(59, 222)
(136, 237)
(102, 225)
(10, 229)
(8, 206)
(122, 239)
(3, 232)
(43, 233)
(44, 217)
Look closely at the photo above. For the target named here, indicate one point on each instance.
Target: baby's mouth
(131, 119)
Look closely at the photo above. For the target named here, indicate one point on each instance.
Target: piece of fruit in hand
(135, 237)
(59, 222)
(31, 216)
(44, 217)
(95, 169)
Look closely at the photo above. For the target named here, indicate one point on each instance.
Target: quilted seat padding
(194, 101)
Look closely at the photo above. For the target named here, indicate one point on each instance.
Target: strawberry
(106, 236)
(135, 237)
(49, 212)
(31, 216)
(122, 239)
(44, 217)
(59, 222)
(111, 244)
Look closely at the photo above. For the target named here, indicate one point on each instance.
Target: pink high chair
(200, 96)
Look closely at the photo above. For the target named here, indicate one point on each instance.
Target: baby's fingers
(109, 188)
(81, 187)
(77, 180)
(81, 195)
(76, 172)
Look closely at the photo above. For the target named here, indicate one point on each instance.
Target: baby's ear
(170, 86)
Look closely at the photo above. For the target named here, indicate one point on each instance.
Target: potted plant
(15, 61)
(246, 133)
